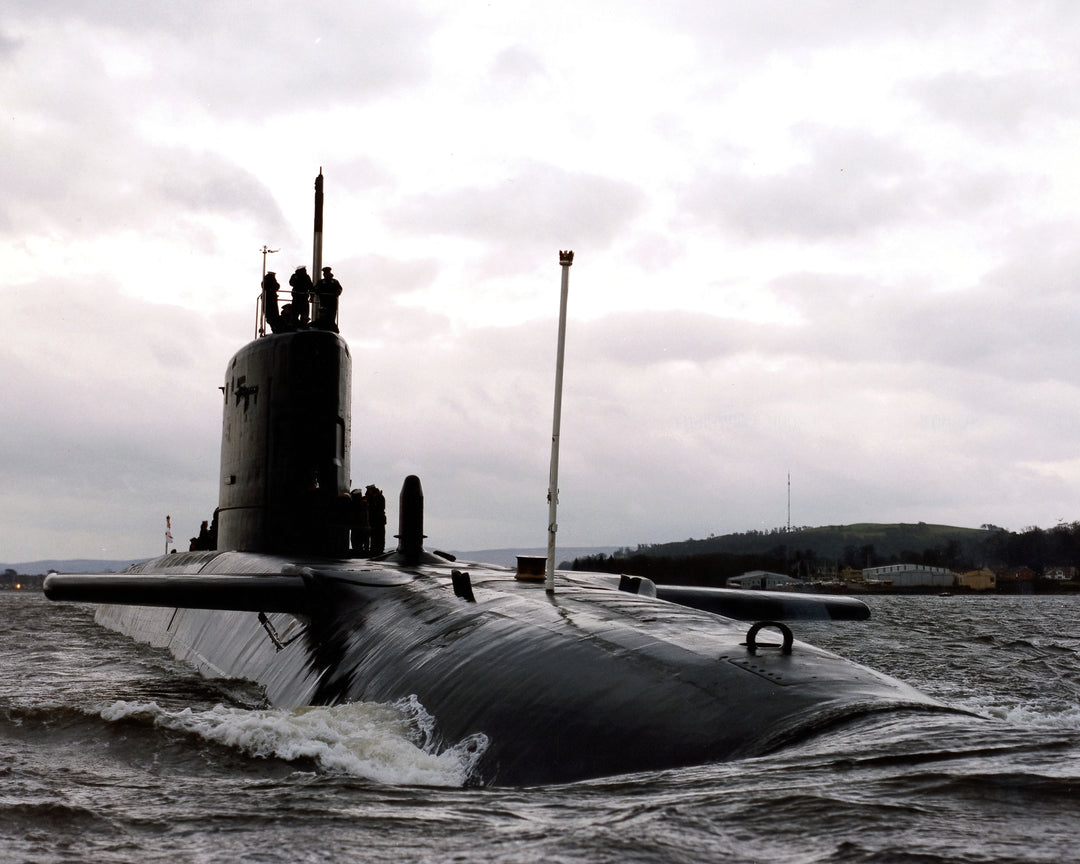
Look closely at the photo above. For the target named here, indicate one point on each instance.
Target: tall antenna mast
(789, 502)
(316, 254)
(565, 260)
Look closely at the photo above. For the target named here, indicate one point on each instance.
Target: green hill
(809, 553)
(846, 544)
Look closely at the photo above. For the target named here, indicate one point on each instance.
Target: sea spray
(77, 787)
(393, 743)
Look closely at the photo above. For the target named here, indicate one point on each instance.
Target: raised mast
(565, 260)
(316, 254)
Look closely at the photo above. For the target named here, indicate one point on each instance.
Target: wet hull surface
(588, 682)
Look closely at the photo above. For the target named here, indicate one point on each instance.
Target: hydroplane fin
(746, 605)
(244, 593)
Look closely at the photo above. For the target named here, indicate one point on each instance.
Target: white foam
(389, 743)
(1031, 715)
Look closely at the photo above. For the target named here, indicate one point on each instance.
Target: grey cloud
(712, 407)
(889, 396)
(851, 183)
(747, 31)
(239, 60)
(1014, 323)
(115, 419)
(996, 107)
(362, 173)
(516, 67)
(105, 194)
(539, 205)
(467, 411)
(977, 351)
(633, 339)
(72, 119)
(972, 329)
(375, 283)
(8, 46)
(206, 183)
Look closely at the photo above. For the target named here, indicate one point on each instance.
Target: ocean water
(111, 751)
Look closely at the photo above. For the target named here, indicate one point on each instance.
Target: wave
(392, 743)
(1046, 714)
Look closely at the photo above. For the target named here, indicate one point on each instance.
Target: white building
(910, 575)
(762, 579)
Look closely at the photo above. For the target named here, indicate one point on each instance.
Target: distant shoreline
(1041, 587)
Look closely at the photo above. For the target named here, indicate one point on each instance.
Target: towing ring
(751, 637)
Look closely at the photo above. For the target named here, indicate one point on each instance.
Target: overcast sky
(836, 239)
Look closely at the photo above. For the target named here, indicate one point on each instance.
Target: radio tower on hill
(789, 502)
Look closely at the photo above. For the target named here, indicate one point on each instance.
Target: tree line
(816, 552)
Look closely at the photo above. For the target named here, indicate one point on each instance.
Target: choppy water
(112, 752)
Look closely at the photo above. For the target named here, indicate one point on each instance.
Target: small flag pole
(260, 326)
(266, 250)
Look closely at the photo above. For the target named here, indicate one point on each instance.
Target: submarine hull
(591, 681)
(598, 676)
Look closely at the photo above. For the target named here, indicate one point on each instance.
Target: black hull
(588, 682)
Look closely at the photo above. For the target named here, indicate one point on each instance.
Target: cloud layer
(836, 239)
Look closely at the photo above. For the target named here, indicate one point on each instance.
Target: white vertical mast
(565, 260)
(260, 325)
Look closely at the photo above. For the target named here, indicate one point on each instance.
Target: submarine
(592, 676)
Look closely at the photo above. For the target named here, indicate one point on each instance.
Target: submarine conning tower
(285, 445)
(285, 428)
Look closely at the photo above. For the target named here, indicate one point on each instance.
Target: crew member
(289, 321)
(328, 289)
(376, 507)
(270, 308)
(301, 288)
(361, 526)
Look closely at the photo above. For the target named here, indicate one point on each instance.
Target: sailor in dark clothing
(301, 288)
(289, 321)
(270, 308)
(376, 507)
(206, 540)
(327, 289)
(361, 529)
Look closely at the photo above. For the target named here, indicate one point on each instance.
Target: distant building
(1016, 574)
(1016, 580)
(1061, 574)
(850, 574)
(762, 579)
(977, 580)
(909, 576)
